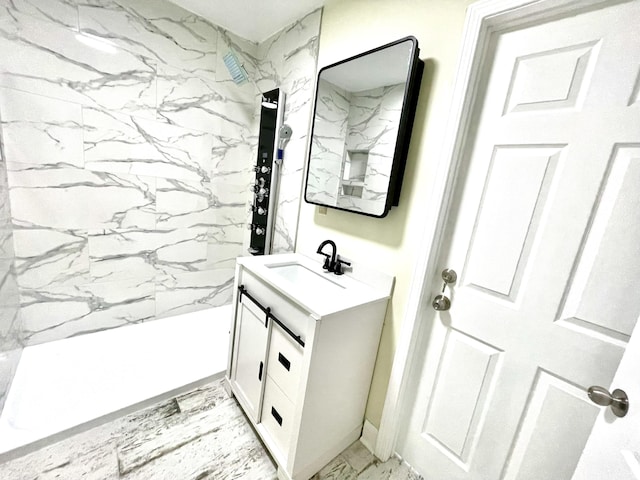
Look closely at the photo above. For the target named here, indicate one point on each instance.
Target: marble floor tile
(201, 435)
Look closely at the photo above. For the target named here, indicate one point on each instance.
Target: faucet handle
(338, 267)
(327, 261)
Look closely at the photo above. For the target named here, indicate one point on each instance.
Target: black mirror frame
(405, 127)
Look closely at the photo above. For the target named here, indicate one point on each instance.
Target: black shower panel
(263, 173)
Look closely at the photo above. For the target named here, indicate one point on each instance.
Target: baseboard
(369, 436)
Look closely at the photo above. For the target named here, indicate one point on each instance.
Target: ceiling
(254, 20)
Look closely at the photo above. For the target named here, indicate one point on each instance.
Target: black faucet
(330, 260)
(332, 263)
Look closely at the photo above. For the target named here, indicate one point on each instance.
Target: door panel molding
(483, 19)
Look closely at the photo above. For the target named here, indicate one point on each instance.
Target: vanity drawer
(285, 362)
(277, 416)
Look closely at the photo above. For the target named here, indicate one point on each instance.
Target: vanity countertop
(304, 282)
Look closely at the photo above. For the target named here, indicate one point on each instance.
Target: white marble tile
(68, 311)
(49, 258)
(9, 307)
(6, 239)
(61, 12)
(44, 58)
(229, 194)
(189, 292)
(40, 130)
(183, 250)
(158, 30)
(300, 55)
(6, 228)
(77, 199)
(286, 222)
(298, 45)
(226, 239)
(125, 144)
(189, 101)
(270, 58)
(126, 254)
(182, 204)
(233, 158)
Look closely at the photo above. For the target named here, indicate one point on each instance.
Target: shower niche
(267, 174)
(354, 172)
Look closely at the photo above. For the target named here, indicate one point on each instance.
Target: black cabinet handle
(260, 371)
(268, 315)
(284, 361)
(265, 310)
(276, 415)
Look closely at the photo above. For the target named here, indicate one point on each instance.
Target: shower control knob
(258, 190)
(259, 231)
(258, 210)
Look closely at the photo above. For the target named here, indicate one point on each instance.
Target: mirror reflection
(363, 116)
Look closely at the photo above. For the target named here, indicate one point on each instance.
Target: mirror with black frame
(362, 123)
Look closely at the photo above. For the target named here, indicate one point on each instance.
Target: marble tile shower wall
(129, 167)
(288, 60)
(10, 327)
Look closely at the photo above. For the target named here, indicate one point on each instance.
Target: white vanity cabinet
(303, 347)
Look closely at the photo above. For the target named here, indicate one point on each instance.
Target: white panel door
(544, 234)
(613, 448)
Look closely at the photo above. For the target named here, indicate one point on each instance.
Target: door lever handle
(618, 400)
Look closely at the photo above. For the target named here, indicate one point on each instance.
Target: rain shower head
(240, 76)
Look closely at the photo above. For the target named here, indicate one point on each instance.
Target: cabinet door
(249, 369)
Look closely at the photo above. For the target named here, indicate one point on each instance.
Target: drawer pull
(284, 361)
(260, 371)
(276, 415)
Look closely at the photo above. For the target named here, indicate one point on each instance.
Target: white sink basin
(298, 274)
(304, 282)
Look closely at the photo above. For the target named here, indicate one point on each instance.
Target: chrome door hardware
(618, 400)
(449, 276)
(442, 302)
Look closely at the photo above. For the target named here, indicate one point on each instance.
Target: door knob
(618, 400)
(442, 302)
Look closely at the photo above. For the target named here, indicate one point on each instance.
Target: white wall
(391, 244)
